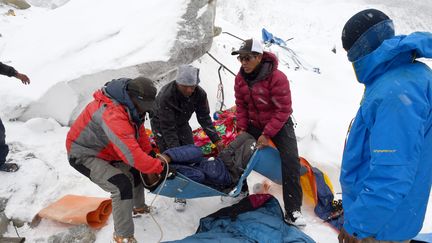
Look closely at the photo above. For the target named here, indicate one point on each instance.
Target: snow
(78, 39)
(83, 37)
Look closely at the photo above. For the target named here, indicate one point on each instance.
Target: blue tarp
(270, 38)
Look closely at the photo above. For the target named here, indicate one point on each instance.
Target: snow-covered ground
(323, 103)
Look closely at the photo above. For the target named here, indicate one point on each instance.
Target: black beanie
(359, 24)
(142, 87)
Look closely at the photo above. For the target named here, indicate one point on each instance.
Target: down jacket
(264, 102)
(109, 129)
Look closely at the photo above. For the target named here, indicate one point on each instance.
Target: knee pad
(122, 182)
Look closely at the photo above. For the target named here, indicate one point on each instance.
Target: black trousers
(4, 149)
(286, 142)
(184, 134)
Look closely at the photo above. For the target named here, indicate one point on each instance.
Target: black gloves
(171, 172)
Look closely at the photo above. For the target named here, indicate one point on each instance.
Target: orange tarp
(74, 209)
(308, 182)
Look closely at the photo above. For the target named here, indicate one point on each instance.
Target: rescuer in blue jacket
(387, 162)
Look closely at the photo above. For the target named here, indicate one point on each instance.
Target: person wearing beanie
(108, 144)
(4, 148)
(263, 109)
(386, 172)
(174, 106)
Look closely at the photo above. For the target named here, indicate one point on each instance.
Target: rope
(220, 96)
(157, 194)
(16, 231)
(216, 60)
(228, 33)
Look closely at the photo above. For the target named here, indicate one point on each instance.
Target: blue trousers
(4, 149)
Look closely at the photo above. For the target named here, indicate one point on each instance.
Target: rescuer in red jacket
(108, 144)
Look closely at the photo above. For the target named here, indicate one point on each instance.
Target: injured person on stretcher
(221, 173)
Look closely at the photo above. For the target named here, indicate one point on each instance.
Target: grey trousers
(124, 184)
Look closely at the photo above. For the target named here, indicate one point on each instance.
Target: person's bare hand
(345, 237)
(24, 79)
(262, 141)
(164, 158)
(220, 145)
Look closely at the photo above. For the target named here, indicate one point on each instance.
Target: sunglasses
(245, 58)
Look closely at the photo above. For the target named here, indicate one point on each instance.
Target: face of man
(186, 91)
(142, 107)
(249, 61)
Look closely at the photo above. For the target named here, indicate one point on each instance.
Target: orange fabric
(74, 209)
(308, 182)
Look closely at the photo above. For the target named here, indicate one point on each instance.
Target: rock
(217, 31)
(80, 233)
(11, 240)
(3, 203)
(51, 4)
(20, 4)
(4, 222)
(10, 12)
(193, 40)
(18, 223)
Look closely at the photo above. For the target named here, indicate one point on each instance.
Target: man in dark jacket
(263, 100)
(108, 144)
(174, 106)
(4, 149)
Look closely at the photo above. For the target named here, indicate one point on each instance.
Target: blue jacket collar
(116, 89)
(395, 51)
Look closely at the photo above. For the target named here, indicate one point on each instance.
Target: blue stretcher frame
(265, 161)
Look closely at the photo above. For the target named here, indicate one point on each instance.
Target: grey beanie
(187, 75)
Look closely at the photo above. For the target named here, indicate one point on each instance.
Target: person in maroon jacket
(4, 148)
(263, 100)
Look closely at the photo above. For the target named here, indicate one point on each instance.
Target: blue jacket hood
(393, 52)
(116, 89)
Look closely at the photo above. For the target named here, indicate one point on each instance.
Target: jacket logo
(384, 150)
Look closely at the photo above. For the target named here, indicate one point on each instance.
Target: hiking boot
(179, 204)
(120, 239)
(9, 167)
(337, 210)
(144, 210)
(234, 200)
(295, 218)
